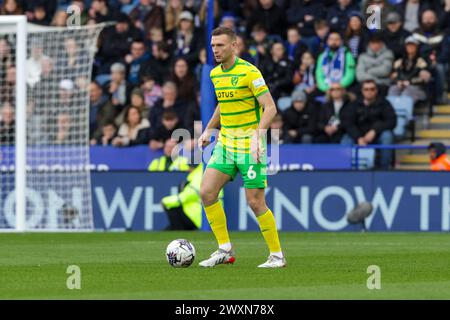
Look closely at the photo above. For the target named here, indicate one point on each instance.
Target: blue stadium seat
(284, 103)
(403, 106)
(366, 158)
(102, 79)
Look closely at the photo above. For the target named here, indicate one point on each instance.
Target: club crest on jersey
(234, 81)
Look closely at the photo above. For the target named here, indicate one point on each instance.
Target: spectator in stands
(101, 11)
(278, 71)
(39, 14)
(155, 35)
(186, 39)
(317, 43)
(60, 19)
(370, 120)
(119, 89)
(158, 66)
(134, 130)
(376, 64)
(438, 157)
(8, 86)
(135, 60)
(146, 15)
(11, 7)
(242, 49)
(299, 120)
(335, 64)
(394, 35)
(71, 61)
(169, 100)
(34, 62)
(173, 10)
(7, 125)
(304, 76)
(431, 38)
(65, 131)
(115, 43)
(186, 82)
(101, 110)
(228, 21)
(356, 36)
(410, 11)
(108, 133)
(170, 160)
(338, 15)
(84, 13)
(46, 84)
(268, 15)
(410, 73)
(259, 45)
(136, 100)
(66, 95)
(152, 91)
(170, 122)
(329, 126)
(304, 14)
(384, 8)
(295, 47)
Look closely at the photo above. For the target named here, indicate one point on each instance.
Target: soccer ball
(180, 253)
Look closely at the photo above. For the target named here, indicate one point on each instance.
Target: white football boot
(273, 262)
(219, 257)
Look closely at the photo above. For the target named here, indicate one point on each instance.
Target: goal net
(44, 113)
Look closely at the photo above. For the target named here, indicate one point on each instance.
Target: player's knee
(255, 204)
(208, 196)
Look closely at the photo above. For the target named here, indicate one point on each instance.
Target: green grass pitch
(133, 266)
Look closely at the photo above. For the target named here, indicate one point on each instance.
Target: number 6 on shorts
(251, 174)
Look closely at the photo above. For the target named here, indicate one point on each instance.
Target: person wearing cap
(394, 34)
(338, 15)
(299, 119)
(186, 38)
(376, 63)
(147, 15)
(410, 73)
(438, 157)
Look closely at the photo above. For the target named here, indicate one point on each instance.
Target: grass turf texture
(133, 266)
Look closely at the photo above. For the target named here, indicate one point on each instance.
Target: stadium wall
(301, 201)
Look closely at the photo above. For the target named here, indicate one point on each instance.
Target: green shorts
(254, 174)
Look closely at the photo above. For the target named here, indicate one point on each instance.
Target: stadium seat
(366, 158)
(284, 103)
(404, 107)
(102, 79)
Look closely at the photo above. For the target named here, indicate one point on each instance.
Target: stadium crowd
(327, 57)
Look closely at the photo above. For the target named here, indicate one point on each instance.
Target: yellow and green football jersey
(237, 90)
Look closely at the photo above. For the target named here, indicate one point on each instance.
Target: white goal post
(44, 126)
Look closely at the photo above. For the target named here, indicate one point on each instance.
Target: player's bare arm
(270, 110)
(205, 138)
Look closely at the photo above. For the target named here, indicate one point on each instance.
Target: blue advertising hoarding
(301, 201)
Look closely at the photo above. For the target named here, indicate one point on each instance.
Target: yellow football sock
(269, 230)
(218, 222)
